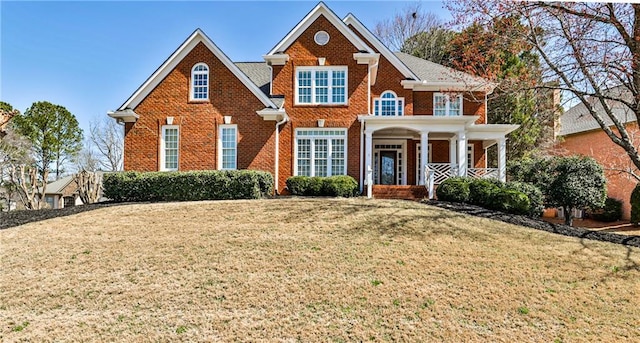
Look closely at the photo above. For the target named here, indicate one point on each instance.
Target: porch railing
(442, 171)
(483, 173)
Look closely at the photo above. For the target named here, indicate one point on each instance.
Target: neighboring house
(582, 135)
(62, 193)
(328, 99)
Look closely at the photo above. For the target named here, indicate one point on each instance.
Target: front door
(388, 167)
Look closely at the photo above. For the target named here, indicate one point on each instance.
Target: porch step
(411, 192)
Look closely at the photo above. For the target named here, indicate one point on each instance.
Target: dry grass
(309, 270)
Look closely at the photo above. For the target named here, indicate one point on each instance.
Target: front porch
(453, 146)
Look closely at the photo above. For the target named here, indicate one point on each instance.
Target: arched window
(388, 104)
(200, 82)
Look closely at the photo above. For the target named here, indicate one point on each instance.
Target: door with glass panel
(388, 163)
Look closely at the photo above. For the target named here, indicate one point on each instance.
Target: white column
(462, 153)
(502, 159)
(368, 138)
(424, 155)
(452, 152)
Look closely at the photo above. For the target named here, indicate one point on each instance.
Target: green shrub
(187, 186)
(482, 193)
(340, 185)
(511, 201)
(536, 199)
(454, 189)
(610, 212)
(635, 205)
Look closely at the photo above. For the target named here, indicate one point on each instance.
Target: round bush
(455, 189)
(512, 201)
(610, 212)
(482, 193)
(536, 199)
(341, 186)
(298, 185)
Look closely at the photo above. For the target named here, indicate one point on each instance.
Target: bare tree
(89, 186)
(592, 48)
(411, 21)
(107, 138)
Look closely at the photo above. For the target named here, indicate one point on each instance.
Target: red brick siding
(598, 145)
(198, 121)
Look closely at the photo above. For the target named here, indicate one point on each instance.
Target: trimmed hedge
(536, 199)
(610, 212)
(493, 194)
(188, 186)
(340, 186)
(635, 205)
(454, 189)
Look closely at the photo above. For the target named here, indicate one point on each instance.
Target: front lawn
(309, 270)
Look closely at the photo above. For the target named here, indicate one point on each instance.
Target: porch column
(368, 141)
(424, 155)
(502, 159)
(462, 153)
(452, 152)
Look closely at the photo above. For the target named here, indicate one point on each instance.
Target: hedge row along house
(328, 99)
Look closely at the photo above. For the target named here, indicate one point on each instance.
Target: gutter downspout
(362, 125)
(285, 119)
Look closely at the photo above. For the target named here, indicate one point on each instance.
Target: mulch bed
(15, 218)
(538, 224)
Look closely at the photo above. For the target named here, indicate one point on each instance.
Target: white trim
(313, 70)
(192, 86)
(447, 105)
(436, 86)
(310, 18)
(319, 35)
(350, 19)
(471, 162)
(220, 128)
(196, 37)
(162, 166)
(430, 158)
(395, 99)
(344, 136)
(402, 165)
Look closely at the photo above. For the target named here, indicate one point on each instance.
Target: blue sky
(91, 56)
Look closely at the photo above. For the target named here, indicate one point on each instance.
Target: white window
(228, 147)
(200, 82)
(388, 104)
(447, 104)
(169, 148)
(320, 152)
(419, 157)
(470, 157)
(321, 85)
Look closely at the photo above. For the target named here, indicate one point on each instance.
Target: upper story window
(447, 104)
(321, 86)
(200, 82)
(388, 104)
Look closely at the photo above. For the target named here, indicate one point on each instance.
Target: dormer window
(447, 104)
(200, 82)
(321, 85)
(388, 104)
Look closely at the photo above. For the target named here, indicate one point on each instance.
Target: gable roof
(436, 73)
(58, 186)
(350, 19)
(260, 74)
(316, 12)
(577, 119)
(196, 37)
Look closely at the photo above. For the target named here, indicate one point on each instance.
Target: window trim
(471, 152)
(447, 105)
(192, 86)
(163, 152)
(396, 99)
(345, 136)
(314, 69)
(220, 148)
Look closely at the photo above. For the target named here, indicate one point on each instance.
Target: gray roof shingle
(433, 72)
(578, 119)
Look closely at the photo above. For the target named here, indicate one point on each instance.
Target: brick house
(62, 193)
(328, 99)
(582, 135)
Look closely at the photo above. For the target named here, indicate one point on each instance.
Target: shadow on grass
(16, 218)
(539, 224)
